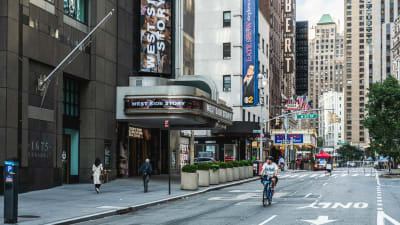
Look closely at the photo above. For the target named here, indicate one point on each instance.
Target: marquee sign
(288, 31)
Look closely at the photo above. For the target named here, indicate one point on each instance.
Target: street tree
(383, 117)
(350, 153)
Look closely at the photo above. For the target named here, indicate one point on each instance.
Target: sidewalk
(80, 200)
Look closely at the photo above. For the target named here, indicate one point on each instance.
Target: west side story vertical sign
(288, 36)
(250, 53)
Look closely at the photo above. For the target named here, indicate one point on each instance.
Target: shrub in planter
(189, 178)
(242, 174)
(236, 165)
(222, 172)
(203, 169)
(214, 173)
(229, 171)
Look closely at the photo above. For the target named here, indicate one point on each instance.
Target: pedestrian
(146, 170)
(281, 163)
(97, 169)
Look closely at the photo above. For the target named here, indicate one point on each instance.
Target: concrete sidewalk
(61, 205)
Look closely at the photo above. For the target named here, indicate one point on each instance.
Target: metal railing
(360, 167)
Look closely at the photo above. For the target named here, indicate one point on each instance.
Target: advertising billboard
(155, 36)
(250, 53)
(297, 138)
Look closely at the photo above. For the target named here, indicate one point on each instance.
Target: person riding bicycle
(270, 169)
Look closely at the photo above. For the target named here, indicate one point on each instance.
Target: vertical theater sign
(250, 53)
(288, 36)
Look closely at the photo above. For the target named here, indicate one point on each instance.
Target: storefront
(145, 107)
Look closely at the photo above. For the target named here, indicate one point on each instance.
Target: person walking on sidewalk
(97, 169)
(146, 170)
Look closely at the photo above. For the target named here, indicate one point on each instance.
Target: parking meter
(10, 192)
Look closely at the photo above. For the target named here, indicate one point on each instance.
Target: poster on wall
(155, 36)
(250, 53)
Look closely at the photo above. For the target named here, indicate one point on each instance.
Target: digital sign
(155, 36)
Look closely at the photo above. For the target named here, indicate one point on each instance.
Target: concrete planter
(235, 173)
(242, 173)
(214, 177)
(222, 176)
(229, 174)
(250, 171)
(204, 178)
(189, 181)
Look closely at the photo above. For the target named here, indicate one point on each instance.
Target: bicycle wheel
(264, 199)
(270, 197)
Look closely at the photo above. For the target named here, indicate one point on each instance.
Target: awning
(323, 155)
(149, 101)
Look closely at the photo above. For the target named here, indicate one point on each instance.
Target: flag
(302, 101)
(308, 106)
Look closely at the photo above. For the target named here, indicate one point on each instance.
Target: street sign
(307, 116)
(341, 143)
(256, 132)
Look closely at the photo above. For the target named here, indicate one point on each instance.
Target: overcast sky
(312, 10)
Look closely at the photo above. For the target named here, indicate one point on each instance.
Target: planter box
(235, 173)
(222, 175)
(189, 181)
(229, 174)
(204, 178)
(250, 168)
(242, 174)
(214, 177)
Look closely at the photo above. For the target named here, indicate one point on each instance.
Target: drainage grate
(29, 216)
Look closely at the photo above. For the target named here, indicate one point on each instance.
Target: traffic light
(330, 117)
(337, 119)
(277, 122)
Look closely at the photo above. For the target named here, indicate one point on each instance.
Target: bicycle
(267, 193)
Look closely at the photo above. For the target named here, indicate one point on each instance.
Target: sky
(312, 10)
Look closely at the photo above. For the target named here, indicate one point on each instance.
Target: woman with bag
(97, 171)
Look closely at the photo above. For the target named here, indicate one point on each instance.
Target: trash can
(257, 166)
(10, 191)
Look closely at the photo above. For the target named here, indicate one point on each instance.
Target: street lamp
(262, 82)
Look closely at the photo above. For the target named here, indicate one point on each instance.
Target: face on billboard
(155, 36)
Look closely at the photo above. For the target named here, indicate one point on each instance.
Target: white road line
(343, 175)
(304, 175)
(268, 220)
(314, 175)
(322, 175)
(355, 175)
(307, 195)
(325, 184)
(284, 176)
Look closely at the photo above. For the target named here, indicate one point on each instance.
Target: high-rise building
(363, 59)
(396, 49)
(325, 62)
(331, 120)
(301, 57)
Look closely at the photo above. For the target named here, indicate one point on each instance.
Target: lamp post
(262, 82)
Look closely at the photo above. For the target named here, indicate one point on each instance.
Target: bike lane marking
(381, 216)
(268, 220)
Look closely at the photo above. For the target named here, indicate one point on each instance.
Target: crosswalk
(317, 175)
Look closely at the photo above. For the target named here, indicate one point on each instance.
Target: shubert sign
(288, 58)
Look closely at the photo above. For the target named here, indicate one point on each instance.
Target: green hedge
(223, 165)
(203, 166)
(236, 164)
(189, 168)
(229, 164)
(214, 166)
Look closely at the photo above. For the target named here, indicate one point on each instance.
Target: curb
(145, 205)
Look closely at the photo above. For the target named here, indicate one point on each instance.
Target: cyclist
(271, 170)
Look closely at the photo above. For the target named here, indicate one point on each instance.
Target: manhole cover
(29, 216)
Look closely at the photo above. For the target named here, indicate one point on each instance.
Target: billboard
(297, 138)
(155, 36)
(250, 53)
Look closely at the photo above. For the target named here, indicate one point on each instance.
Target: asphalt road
(301, 198)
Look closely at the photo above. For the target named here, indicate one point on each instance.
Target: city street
(345, 197)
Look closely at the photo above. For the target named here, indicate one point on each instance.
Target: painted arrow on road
(320, 220)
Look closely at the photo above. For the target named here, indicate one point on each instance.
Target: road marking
(382, 216)
(307, 195)
(244, 191)
(322, 175)
(343, 175)
(284, 176)
(335, 205)
(268, 220)
(320, 220)
(314, 175)
(324, 184)
(304, 175)
(355, 175)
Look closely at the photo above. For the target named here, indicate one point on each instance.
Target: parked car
(203, 160)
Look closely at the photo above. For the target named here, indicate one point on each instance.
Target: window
(263, 44)
(248, 116)
(77, 9)
(51, 1)
(227, 19)
(243, 115)
(227, 50)
(71, 97)
(227, 83)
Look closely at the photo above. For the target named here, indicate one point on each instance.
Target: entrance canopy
(150, 101)
(323, 155)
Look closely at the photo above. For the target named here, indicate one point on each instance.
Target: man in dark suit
(248, 85)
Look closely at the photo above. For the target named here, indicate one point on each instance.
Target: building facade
(331, 120)
(221, 60)
(301, 57)
(396, 48)
(57, 142)
(325, 62)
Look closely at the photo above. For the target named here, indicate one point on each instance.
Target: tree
(383, 117)
(350, 153)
